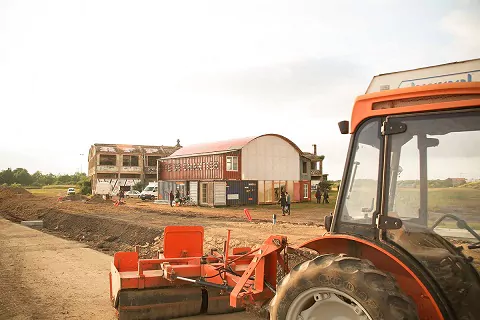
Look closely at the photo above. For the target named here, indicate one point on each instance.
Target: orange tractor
(406, 189)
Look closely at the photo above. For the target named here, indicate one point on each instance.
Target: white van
(150, 192)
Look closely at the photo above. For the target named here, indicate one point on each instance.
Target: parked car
(70, 191)
(144, 196)
(132, 194)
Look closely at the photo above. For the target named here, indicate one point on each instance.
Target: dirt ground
(108, 228)
(44, 277)
(67, 272)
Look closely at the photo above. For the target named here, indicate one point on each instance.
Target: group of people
(175, 197)
(319, 194)
(285, 202)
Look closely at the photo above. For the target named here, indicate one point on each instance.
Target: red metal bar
(227, 247)
(240, 257)
(272, 245)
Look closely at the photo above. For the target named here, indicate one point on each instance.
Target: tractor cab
(410, 185)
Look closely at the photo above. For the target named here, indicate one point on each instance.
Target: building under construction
(123, 166)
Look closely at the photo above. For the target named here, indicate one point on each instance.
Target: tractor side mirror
(344, 126)
(327, 222)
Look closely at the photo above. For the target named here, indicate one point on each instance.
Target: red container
(206, 167)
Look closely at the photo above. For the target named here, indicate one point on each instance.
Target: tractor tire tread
(376, 291)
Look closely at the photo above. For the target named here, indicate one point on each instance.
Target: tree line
(21, 176)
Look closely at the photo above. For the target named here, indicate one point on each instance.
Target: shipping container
(242, 193)
(226, 166)
(164, 188)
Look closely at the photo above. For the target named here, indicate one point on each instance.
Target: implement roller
(184, 281)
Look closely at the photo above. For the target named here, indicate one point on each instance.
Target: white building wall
(270, 158)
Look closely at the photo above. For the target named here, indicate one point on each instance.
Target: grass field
(50, 191)
(462, 202)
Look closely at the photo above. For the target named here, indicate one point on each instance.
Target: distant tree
(85, 185)
(63, 179)
(22, 177)
(325, 185)
(50, 179)
(7, 176)
(38, 179)
(139, 186)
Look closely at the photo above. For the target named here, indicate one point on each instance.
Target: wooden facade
(205, 167)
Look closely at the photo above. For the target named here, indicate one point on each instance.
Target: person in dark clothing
(288, 201)
(171, 198)
(325, 196)
(318, 195)
(283, 202)
(177, 195)
(121, 195)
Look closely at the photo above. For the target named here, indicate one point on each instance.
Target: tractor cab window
(433, 182)
(435, 172)
(361, 188)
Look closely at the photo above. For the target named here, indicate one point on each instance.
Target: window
(204, 193)
(152, 161)
(129, 176)
(305, 191)
(108, 160)
(362, 181)
(425, 161)
(130, 161)
(232, 163)
(304, 167)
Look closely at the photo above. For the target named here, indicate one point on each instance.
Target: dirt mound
(97, 198)
(104, 234)
(74, 197)
(8, 192)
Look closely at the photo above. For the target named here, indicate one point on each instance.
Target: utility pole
(81, 155)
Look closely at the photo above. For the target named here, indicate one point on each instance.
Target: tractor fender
(384, 260)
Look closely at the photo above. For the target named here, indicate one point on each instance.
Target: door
(296, 192)
(433, 166)
(193, 186)
(220, 193)
(204, 193)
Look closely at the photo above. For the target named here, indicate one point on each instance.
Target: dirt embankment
(109, 228)
(101, 233)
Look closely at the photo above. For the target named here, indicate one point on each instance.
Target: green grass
(60, 190)
(59, 186)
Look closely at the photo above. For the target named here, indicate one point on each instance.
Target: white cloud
(464, 27)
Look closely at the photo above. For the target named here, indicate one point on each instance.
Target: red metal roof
(223, 146)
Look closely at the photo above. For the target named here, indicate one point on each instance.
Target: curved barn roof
(223, 146)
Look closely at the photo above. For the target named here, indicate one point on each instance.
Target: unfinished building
(123, 166)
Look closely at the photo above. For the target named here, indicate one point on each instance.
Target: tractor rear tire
(331, 284)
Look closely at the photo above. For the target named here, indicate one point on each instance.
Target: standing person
(325, 196)
(318, 195)
(121, 195)
(177, 196)
(171, 197)
(287, 198)
(283, 202)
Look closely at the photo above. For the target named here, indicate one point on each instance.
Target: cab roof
(414, 100)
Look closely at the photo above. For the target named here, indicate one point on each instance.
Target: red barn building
(251, 170)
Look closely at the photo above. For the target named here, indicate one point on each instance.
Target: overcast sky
(74, 73)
